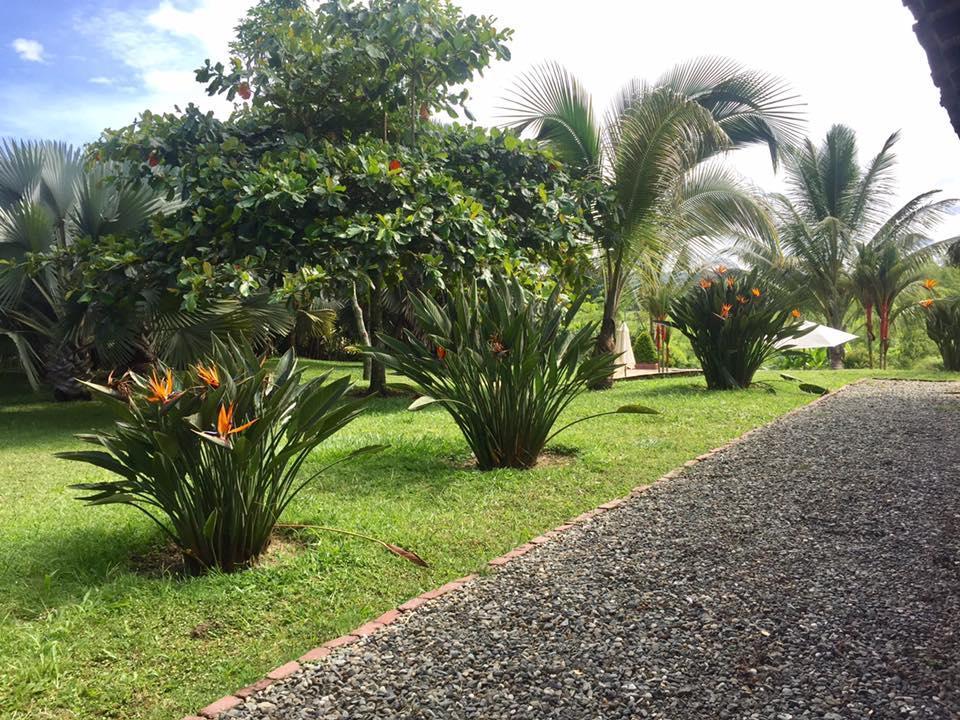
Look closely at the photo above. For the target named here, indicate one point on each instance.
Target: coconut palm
(48, 199)
(831, 209)
(655, 154)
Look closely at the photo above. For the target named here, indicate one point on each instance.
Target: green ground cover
(92, 627)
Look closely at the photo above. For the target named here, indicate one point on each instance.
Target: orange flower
(441, 352)
(796, 313)
(725, 311)
(721, 269)
(755, 292)
(730, 281)
(706, 284)
(926, 303)
(930, 283)
(210, 375)
(162, 389)
(742, 300)
(394, 165)
(225, 426)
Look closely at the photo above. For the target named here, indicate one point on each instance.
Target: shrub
(943, 327)
(643, 347)
(503, 363)
(733, 323)
(212, 455)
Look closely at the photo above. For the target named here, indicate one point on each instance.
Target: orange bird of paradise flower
(725, 311)
(209, 374)
(741, 299)
(225, 426)
(730, 281)
(755, 292)
(930, 283)
(796, 313)
(706, 284)
(926, 303)
(721, 269)
(162, 389)
(441, 352)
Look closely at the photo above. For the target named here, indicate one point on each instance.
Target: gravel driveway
(811, 571)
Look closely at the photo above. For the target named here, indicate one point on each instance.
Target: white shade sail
(819, 336)
(624, 350)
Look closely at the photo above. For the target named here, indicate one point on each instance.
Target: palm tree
(48, 199)
(832, 208)
(654, 155)
(884, 269)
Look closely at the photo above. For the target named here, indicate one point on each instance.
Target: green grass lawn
(90, 628)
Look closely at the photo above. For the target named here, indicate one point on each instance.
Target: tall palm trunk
(607, 337)
(837, 353)
(868, 310)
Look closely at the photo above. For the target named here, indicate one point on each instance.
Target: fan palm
(653, 154)
(832, 208)
(48, 199)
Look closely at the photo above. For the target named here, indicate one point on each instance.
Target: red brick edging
(228, 702)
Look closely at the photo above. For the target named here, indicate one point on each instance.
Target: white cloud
(101, 80)
(162, 45)
(28, 50)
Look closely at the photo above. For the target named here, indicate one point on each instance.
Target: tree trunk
(65, 364)
(378, 373)
(607, 338)
(361, 329)
(836, 353)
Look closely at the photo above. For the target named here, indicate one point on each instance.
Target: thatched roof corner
(938, 29)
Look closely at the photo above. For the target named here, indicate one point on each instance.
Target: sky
(69, 68)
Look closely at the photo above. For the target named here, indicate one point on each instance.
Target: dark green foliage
(943, 327)
(734, 323)
(503, 363)
(644, 350)
(373, 67)
(212, 455)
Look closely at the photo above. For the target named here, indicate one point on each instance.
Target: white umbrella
(819, 336)
(624, 350)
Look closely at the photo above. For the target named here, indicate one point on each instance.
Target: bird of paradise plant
(734, 325)
(942, 317)
(213, 455)
(504, 363)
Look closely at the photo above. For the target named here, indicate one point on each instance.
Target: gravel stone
(810, 571)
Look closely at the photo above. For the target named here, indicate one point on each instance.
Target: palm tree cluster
(833, 234)
(657, 152)
(840, 240)
(49, 198)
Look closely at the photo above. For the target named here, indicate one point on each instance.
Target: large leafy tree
(655, 151)
(328, 167)
(352, 67)
(839, 236)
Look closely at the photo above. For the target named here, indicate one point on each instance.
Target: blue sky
(69, 68)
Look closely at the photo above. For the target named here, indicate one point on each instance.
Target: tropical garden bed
(92, 626)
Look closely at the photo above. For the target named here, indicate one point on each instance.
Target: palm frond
(751, 106)
(553, 103)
